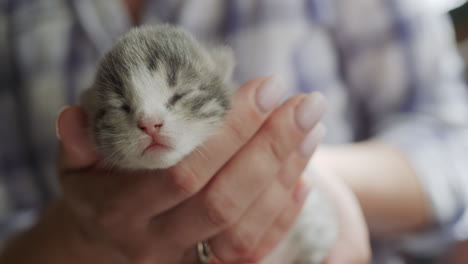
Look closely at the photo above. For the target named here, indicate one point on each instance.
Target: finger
(242, 180)
(94, 193)
(113, 194)
(261, 159)
(76, 148)
(352, 245)
(239, 241)
(282, 224)
(252, 104)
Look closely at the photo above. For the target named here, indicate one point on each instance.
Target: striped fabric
(389, 68)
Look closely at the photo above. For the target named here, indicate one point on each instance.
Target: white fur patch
(151, 91)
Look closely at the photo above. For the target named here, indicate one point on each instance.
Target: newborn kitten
(158, 95)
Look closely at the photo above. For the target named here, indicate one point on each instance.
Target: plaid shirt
(388, 67)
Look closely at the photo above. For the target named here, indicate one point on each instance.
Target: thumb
(76, 147)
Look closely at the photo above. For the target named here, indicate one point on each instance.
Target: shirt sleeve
(401, 63)
(19, 192)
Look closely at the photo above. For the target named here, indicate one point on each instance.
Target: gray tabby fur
(162, 69)
(157, 70)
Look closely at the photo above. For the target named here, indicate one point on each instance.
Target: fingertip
(301, 191)
(71, 121)
(77, 150)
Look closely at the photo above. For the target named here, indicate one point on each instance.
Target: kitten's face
(151, 112)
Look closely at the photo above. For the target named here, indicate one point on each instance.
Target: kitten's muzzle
(158, 143)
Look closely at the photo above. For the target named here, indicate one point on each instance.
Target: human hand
(457, 254)
(352, 242)
(352, 245)
(251, 188)
(230, 196)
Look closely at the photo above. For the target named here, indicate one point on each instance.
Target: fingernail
(302, 191)
(270, 93)
(310, 142)
(310, 111)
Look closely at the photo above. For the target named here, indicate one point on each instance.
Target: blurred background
(459, 13)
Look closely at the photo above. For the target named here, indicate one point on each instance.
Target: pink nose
(150, 126)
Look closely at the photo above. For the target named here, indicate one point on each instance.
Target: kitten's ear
(223, 57)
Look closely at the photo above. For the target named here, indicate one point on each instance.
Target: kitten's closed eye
(126, 108)
(175, 98)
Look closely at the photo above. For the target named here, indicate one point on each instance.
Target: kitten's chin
(153, 157)
(152, 160)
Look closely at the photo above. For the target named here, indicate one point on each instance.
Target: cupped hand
(352, 244)
(246, 182)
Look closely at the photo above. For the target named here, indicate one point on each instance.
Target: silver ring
(204, 252)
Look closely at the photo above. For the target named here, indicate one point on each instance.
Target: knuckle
(278, 140)
(254, 116)
(185, 181)
(221, 210)
(243, 245)
(276, 151)
(216, 216)
(236, 248)
(238, 130)
(267, 246)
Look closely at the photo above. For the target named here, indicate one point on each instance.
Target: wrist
(383, 180)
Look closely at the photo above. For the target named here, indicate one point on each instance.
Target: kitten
(157, 95)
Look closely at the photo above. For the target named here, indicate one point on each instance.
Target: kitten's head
(157, 96)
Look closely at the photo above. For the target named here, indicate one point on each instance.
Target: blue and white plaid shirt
(389, 68)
